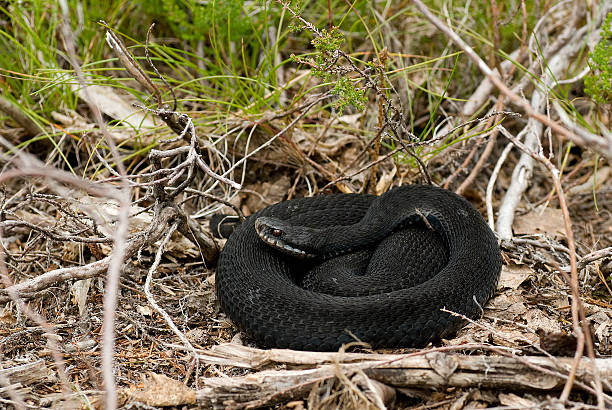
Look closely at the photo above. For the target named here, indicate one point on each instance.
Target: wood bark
(432, 370)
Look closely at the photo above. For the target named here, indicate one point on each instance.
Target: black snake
(316, 273)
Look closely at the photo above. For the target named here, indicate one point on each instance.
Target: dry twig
(578, 315)
(430, 369)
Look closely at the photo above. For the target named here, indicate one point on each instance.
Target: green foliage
(349, 94)
(193, 20)
(29, 49)
(34, 68)
(510, 21)
(598, 84)
(298, 7)
(328, 44)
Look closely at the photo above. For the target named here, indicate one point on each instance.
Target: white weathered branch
(521, 176)
(432, 370)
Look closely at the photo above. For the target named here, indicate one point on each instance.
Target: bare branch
(30, 288)
(491, 75)
(578, 315)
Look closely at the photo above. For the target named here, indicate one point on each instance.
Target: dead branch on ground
(422, 370)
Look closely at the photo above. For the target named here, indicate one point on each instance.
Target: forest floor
(106, 256)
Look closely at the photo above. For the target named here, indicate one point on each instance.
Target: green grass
(221, 60)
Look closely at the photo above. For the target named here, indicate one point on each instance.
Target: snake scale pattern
(379, 269)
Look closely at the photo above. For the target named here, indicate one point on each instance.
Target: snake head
(287, 238)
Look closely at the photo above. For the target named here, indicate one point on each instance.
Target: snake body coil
(319, 272)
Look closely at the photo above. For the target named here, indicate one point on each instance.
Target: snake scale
(316, 273)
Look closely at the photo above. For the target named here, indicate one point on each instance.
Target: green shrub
(192, 20)
(598, 84)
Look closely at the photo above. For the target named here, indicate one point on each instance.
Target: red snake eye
(277, 232)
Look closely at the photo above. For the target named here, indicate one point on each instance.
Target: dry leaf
(144, 310)
(111, 103)
(6, 317)
(296, 405)
(71, 251)
(558, 344)
(80, 290)
(273, 192)
(602, 326)
(105, 212)
(508, 302)
(442, 364)
(197, 336)
(385, 180)
(547, 220)
(331, 144)
(510, 336)
(160, 390)
(537, 319)
(73, 122)
(512, 276)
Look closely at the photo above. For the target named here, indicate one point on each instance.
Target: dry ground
(519, 354)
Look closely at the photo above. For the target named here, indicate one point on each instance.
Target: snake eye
(277, 233)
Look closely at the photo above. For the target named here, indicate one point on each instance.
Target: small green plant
(325, 65)
(349, 94)
(192, 20)
(599, 83)
(328, 46)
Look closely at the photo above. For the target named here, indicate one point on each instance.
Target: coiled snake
(315, 273)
